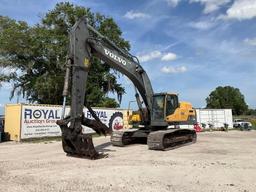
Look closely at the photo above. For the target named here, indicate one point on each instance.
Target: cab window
(158, 107)
(171, 104)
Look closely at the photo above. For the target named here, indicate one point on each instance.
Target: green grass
(218, 129)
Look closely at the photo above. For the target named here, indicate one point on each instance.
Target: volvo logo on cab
(115, 57)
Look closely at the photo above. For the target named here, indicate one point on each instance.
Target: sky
(189, 47)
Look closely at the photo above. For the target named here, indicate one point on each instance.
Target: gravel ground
(219, 161)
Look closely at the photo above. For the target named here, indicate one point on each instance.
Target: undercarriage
(156, 140)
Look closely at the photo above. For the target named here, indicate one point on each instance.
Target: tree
(35, 56)
(251, 112)
(227, 98)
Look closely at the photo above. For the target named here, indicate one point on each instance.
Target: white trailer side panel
(216, 117)
(40, 120)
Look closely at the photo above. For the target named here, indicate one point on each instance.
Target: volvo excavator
(157, 110)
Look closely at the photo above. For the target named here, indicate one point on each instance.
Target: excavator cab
(164, 104)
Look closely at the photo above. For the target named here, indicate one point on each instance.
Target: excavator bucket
(79, 144)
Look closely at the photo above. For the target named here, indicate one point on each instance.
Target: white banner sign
(40, 121)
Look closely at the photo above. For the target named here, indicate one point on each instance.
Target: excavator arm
(86, 42)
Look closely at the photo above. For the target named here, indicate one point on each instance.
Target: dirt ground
(219, 161)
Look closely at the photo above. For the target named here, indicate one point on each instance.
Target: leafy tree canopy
(227, 98)
(251, 112)
(34, 56)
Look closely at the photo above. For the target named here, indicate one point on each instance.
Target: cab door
(172, 104)
(163, 105)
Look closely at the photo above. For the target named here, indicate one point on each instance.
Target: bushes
(253, 122)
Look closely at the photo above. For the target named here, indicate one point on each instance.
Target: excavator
(158, 111)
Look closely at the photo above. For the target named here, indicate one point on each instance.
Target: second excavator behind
(157, 111)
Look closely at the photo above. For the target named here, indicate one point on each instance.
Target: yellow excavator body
(184, 114)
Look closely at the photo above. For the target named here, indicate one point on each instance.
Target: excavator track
(157, 140)
(170, 139)
(122, 138)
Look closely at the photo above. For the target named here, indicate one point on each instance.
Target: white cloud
(202, 25)
(211, 5)
(170, 69)
(135, 15)
(241, 10)
(157, 54)
(169, 57)
(250, 41)
(150, 56)
(173, 3)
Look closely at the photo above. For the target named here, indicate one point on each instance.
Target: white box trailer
(24, 121)
(216, 117)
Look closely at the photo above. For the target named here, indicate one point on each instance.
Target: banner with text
(40, 121)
